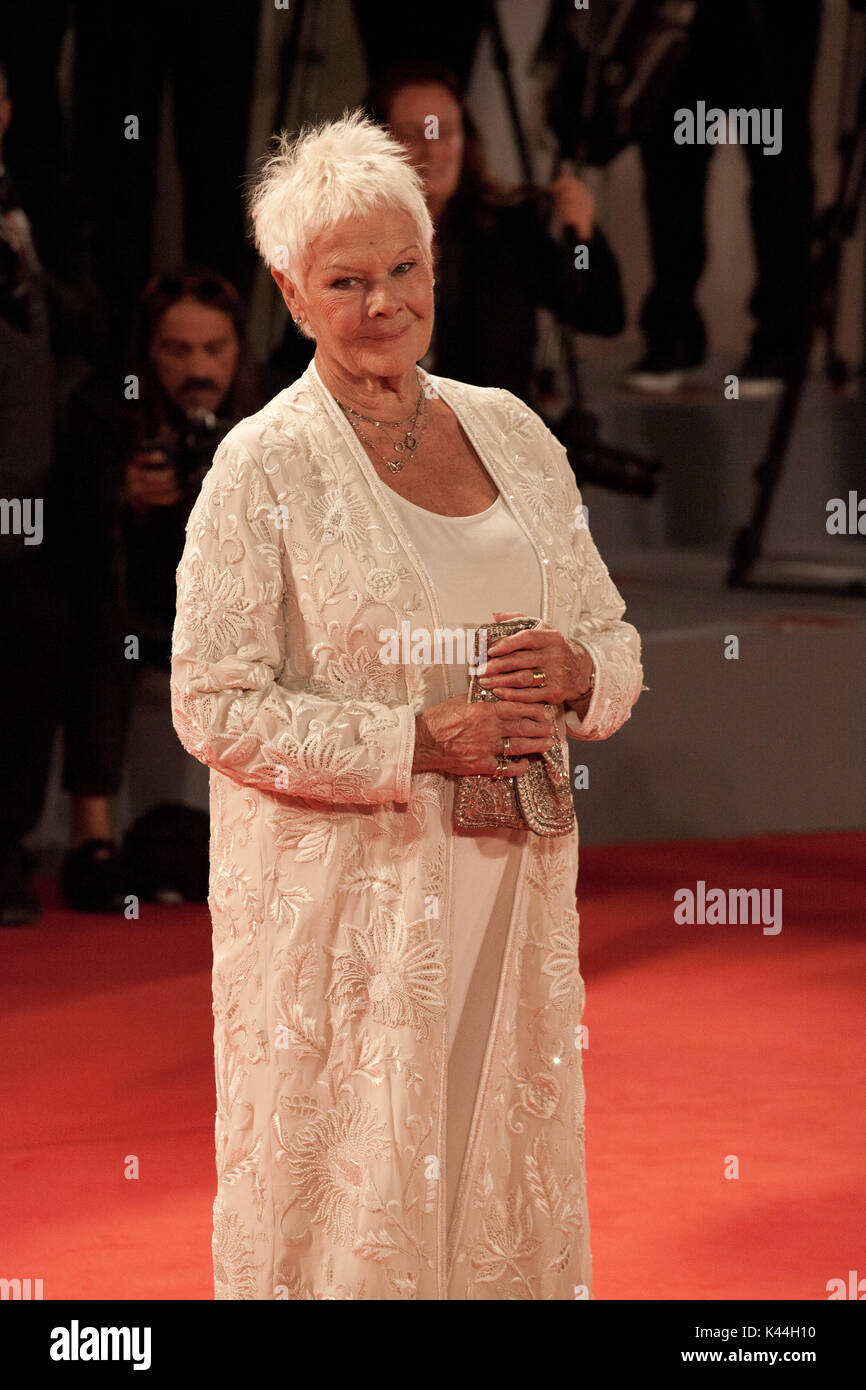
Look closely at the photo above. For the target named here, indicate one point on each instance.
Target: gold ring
(539, 678)
(501, 766)
(506, 744)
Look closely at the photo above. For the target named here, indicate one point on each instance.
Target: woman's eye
(402, 268)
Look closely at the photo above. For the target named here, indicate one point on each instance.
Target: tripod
(837, 223)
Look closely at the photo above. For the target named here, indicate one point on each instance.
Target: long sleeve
(614, 645)
(236, 704)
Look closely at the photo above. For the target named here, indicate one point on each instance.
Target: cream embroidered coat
(331, 874)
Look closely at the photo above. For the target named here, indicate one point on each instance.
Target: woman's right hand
(465, 739)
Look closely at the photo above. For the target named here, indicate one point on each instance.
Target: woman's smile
(388, 337)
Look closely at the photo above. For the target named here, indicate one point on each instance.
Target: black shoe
(92, 877)
(19, 907)
(166, 853)
(662, 371)
(763, 373)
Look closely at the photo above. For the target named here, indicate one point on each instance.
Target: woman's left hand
(567, 666)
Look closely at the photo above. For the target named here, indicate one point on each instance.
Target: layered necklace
(411, 438)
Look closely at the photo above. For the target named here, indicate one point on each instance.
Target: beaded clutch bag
(540, 800)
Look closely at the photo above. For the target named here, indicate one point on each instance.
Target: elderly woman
(397, 1002)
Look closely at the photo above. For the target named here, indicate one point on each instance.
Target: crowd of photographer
(107, 450)
(93, 604)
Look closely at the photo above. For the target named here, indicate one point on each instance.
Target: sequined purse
(540, 800)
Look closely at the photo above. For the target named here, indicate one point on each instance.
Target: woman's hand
(575, 205)
(512, 660)
(465, 739)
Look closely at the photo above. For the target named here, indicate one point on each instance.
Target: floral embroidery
(383, 973)
(562, 963)
(339, 517)
(328, 1161)
(234, 1267)
(508, 1241)
(357, 676)
(329, 886)
(539, 1095)
(214, 602)
(536, 487)
(382, 584)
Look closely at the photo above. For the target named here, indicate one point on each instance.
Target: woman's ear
(287, 290)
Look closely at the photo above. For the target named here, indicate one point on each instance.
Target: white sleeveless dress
(477, 564)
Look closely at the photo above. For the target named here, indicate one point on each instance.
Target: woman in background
(496, 260)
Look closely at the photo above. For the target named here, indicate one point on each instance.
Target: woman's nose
(384, 301)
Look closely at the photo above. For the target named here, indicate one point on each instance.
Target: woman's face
(435, 147)
(368, 296)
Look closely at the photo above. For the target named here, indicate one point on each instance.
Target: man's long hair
(216, 292)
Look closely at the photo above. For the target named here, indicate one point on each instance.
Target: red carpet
(704, 1042)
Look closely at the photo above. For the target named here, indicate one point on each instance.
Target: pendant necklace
(411, 438)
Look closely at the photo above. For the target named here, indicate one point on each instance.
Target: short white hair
(324, 174)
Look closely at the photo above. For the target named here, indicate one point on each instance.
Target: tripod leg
(749, 541)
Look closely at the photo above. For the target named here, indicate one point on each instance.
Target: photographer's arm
(588, 297)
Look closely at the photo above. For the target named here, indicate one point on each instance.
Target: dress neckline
(425, 511)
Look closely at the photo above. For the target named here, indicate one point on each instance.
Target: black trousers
(66, 667)
(32, 619)
(124, 53)
(741, 54)
(98, 703)
(33, 633)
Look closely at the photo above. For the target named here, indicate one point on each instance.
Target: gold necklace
(410, 440)
(391, 423)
